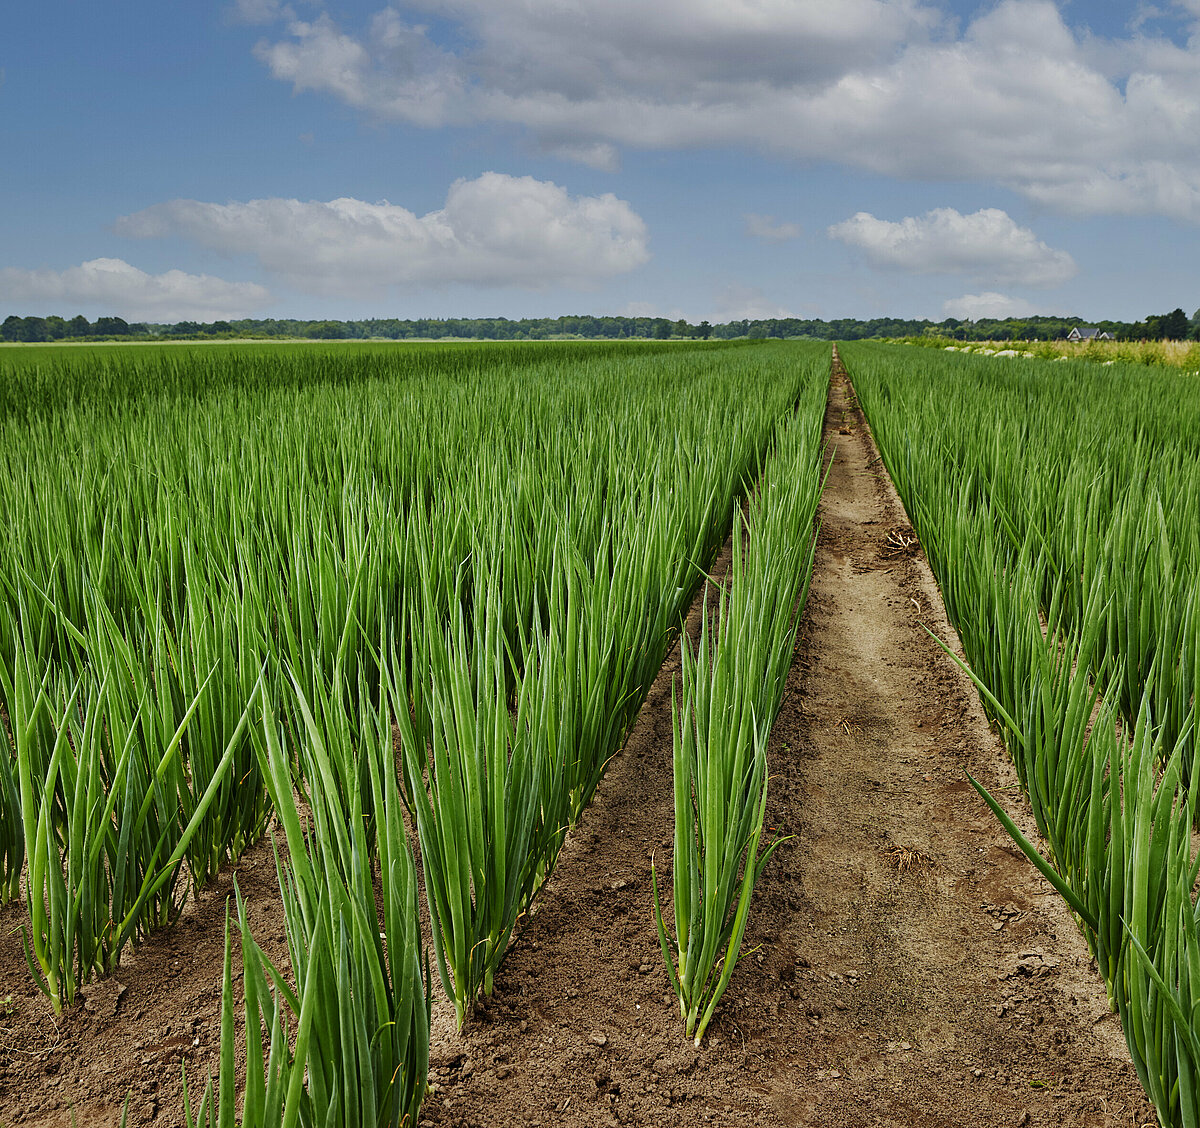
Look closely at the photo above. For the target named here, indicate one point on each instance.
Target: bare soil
(904, 965)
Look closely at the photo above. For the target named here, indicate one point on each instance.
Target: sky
(719, 159)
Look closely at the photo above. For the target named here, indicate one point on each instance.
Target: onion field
(396, 608)
(399, 606)
(1059, 507)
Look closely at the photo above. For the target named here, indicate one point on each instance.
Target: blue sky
(700, 158)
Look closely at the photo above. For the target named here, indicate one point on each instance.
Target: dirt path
(912, 971)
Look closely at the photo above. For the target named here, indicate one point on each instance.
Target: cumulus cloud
(495, 230)
(971, 307)
(651, 309)
(1015, 96)
(987, 243)
(259, 11)
(747, 303)
(394, 71)
(115, 287)
(767, 230)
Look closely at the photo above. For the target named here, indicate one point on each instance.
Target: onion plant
(347, 1033)
(728, 696)
(486, 800)
(103, 815)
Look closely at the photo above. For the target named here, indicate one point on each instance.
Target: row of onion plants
(1094, 470)
(729, 692)
(344, 1039)
(1061, 596)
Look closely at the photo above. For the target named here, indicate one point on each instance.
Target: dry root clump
(900, 542)
(905, 858)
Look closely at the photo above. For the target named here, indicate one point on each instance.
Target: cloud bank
(971, 307)
(987, 243)
(896, 87)
(765, 229)
(747, 303)
(495, 230)
(115, 287)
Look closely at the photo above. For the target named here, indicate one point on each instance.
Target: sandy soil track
(911, 967)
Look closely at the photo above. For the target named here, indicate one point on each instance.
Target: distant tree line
(1167, 326)
(33, 329)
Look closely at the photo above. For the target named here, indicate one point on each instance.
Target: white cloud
(987, 243)
(396, 71)
(259, 11)
(767, 230)
(547, 49)
(746, 303)
(971, 307)
(115, 287)
(651, 309)
(1015, 97)
(495, 230)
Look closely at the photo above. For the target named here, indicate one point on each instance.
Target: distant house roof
(1088, 333)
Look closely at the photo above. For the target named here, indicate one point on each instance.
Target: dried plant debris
(900, 542)
(905, 858)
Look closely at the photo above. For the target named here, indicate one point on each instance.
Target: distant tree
(111, 327)
(1171, 326)
(56, 328)
(184, 328)
(1175, 325)
(35, 330)
(327, 330)
(662, 328)
(681, 328)
(220, 327)
(13, 328)
(704, 330)
(78, 326)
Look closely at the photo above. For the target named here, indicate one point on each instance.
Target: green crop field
(234, 576)
(401, 605)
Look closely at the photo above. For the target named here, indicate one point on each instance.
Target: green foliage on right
(1059, 506)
